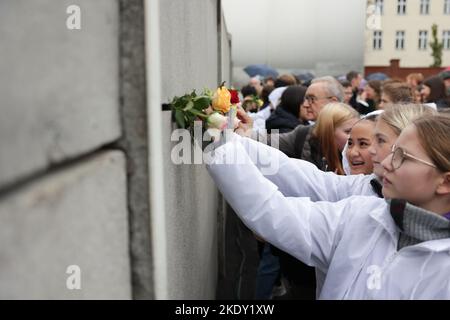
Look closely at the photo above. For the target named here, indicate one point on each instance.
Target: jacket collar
(394, 224)
(417, 225)
(376, 187)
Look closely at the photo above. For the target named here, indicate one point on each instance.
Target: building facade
(402, 29)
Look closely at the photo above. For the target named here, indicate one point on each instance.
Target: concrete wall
(55, 104)
(62, 202)
(73, 216)
(75, 152)
(190, 60)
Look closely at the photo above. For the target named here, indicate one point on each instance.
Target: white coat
(352, 241)
(297, 178)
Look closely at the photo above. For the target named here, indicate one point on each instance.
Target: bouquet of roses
(216, 110)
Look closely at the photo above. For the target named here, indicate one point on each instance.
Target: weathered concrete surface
(189, 46)
(193, 57)
(58, 87)
(135, 142)
(76, 216)
(192, 206)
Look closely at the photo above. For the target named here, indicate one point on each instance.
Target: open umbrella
(377, 76)
(261, 70)
(305, 76)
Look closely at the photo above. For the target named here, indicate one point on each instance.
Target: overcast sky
(296, 34)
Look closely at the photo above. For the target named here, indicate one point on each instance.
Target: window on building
(379, 5)
(400, 40)
(446, 6)
(423, 39)
(401, 7)
(446, 39)
(377, 40)
(424, 6)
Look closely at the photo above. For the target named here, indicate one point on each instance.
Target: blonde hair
(398, 116)
(434, 136)
(331, 117)
(418, 77)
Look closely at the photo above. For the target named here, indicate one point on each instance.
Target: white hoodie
(352, 241)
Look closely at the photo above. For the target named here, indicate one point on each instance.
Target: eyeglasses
(399, 155)
(313, 99)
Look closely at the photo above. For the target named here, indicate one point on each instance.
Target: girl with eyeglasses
(327, 186)
(368, 247)
(296, 178)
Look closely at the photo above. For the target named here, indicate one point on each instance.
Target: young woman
(367, 247)
(286, 172)
(360, 140)
(322, 145)
(330, 134)
(395, 92)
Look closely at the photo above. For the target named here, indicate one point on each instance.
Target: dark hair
(352, 75)
(437, 89)
(292, 98)
(345, 83)
(376, 86)
(267, 89)
(398, 92)
(248, 90)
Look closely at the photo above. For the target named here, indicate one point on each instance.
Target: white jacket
(297, 178)
(352, 241)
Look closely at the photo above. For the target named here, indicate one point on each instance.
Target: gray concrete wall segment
(135, 142)
(191, 205)
(70, 78)
(76, 216)
(225, 47)
(188, 46)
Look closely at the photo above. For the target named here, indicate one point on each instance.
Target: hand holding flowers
(211, 108)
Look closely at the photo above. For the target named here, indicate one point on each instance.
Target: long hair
(434, 137)
(437, 88)
(331, 117)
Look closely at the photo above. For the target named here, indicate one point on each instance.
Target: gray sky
(296, 34)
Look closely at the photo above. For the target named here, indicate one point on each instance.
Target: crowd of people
(359, 207)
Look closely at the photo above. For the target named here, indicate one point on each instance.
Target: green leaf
(201, 103)
(179, 117)
(198, 113)
(189, 106)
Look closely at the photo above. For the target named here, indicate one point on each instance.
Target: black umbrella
(261, 70)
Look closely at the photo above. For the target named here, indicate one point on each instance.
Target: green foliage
(436, 47)
(189, 107)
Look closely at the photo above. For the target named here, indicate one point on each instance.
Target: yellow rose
(221, 100)
(260, 103)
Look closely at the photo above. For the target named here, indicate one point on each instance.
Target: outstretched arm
(307, 230)
(299, 178)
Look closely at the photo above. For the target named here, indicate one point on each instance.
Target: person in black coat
(286, 116)
(434, 91)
